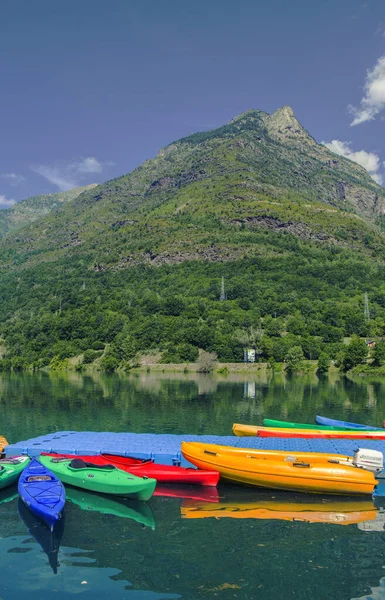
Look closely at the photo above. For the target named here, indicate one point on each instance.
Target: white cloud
(6, 202)
(67, 175)
(90, 165)
(369, 160)
(14, 178)
(377, 178)
(373, 101)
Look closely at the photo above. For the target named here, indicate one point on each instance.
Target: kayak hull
(254, 430)
(285, 455)
(42, 492)
(344, 424)
(148, 468)
(277, 473)
(100, 479)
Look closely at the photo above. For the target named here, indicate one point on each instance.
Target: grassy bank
(222, 368)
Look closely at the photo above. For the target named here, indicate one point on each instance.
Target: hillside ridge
(32, 208)
(258, 171)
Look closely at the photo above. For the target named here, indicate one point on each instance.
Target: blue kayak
(336, 423)
(42, 492)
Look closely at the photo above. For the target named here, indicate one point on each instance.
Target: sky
(90, 89)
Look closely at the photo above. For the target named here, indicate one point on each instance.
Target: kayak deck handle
(301, 464)
(209, 452)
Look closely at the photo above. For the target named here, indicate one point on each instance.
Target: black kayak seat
(79, 463)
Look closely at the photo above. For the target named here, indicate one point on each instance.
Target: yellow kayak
(336, 512)
(281, 471)
(256, 430)
(3, 443)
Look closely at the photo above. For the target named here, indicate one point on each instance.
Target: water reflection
(286, 543)
(112, 505)
(285, 507)
(49, 541)
(192, 492)
(249, 389)
(178, 403)
(377, 593)
(24, 574)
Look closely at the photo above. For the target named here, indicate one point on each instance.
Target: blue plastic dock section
(165, 449)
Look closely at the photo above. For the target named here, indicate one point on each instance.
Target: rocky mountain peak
(285, 112)
(284, 127)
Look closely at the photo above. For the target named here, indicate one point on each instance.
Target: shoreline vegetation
(355, 358)
(307, 367)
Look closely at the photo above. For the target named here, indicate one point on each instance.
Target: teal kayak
(130, 509)
(106, 479)
(11, 469)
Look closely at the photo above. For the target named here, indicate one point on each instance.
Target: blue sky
(90, 89)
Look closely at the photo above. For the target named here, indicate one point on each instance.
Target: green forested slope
(137, 262)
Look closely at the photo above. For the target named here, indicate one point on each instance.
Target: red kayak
(148, 468)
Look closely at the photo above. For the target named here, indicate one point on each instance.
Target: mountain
(35, 207)
(293, 230)
(259, 171)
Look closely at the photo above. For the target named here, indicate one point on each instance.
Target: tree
(356, 352)
(379, 354)
(311, 347)
(294, 358)
(296, 325)
(206, 361)
(323, 363)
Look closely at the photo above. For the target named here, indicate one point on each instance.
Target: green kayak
(288, 425)
(106, 479)
(11, 468)
(131, 509)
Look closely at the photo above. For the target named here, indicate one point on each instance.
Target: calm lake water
(250, 544)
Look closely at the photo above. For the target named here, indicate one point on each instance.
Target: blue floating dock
(165, 448)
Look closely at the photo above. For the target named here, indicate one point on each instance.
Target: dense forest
(311, 297)
(252, 235)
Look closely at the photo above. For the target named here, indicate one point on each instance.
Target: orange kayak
(286, 455)
(255, 430)
(336, 512)
(314, 476)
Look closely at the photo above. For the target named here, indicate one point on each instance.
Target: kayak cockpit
(33, 478)
(78, 463)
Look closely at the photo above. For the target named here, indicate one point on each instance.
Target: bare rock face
(283, 126)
